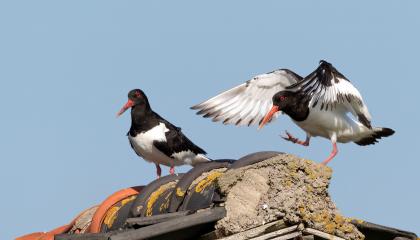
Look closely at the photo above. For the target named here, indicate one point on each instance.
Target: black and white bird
(318, 103)
(155, 139)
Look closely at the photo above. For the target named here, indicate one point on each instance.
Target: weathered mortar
(283, 187)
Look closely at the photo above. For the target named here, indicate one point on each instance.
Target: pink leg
(158, 170)
(332, 155)
(172, 170)
(295, 140)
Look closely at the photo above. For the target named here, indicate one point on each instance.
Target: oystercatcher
(318, 103)
(155, 139)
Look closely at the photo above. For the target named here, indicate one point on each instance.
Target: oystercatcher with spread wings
(155, 139)
(318, 103)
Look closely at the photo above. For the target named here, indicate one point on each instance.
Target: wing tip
(215, 119)
(202, 111)
(207, 115)
(238, 122)
(197, 106)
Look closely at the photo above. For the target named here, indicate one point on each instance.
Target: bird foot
(158, 171)
(289, 137)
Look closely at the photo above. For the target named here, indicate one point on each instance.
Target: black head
(284, 100)
(136, 97)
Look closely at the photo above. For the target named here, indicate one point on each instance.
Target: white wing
(248, 103)
(329, 90)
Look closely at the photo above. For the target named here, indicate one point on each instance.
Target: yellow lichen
(127, 200)
(339, 219)
(154, 197)
(165, 205)
(347, 228)
(112, 213)
(330, 227)
(292, 165)
(309, 188)
(288, 183)
(111, 216)
(179, 192)
(207, 181)
(303, 213)
(311, 174)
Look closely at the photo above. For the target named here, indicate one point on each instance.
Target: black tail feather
(378, 134)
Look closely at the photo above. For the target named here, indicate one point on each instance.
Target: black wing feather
(176, 141)
(322, 88)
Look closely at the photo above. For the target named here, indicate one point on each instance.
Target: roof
(201, 204)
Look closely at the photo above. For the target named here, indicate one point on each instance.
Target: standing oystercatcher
(318, 103)
(155, 139)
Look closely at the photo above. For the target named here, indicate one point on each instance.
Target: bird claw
(290, 137)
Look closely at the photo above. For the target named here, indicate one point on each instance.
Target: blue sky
(66, 68)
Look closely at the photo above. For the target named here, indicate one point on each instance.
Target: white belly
(329, 124)
(143, 146)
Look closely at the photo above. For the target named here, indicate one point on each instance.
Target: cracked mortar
(283, 187)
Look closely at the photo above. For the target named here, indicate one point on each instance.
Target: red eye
(282, 98)
(138, 94)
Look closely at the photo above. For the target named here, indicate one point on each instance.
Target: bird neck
(142, 117)
(297, 108)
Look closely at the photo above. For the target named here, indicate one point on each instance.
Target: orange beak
(126, 106)
(269, 115)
